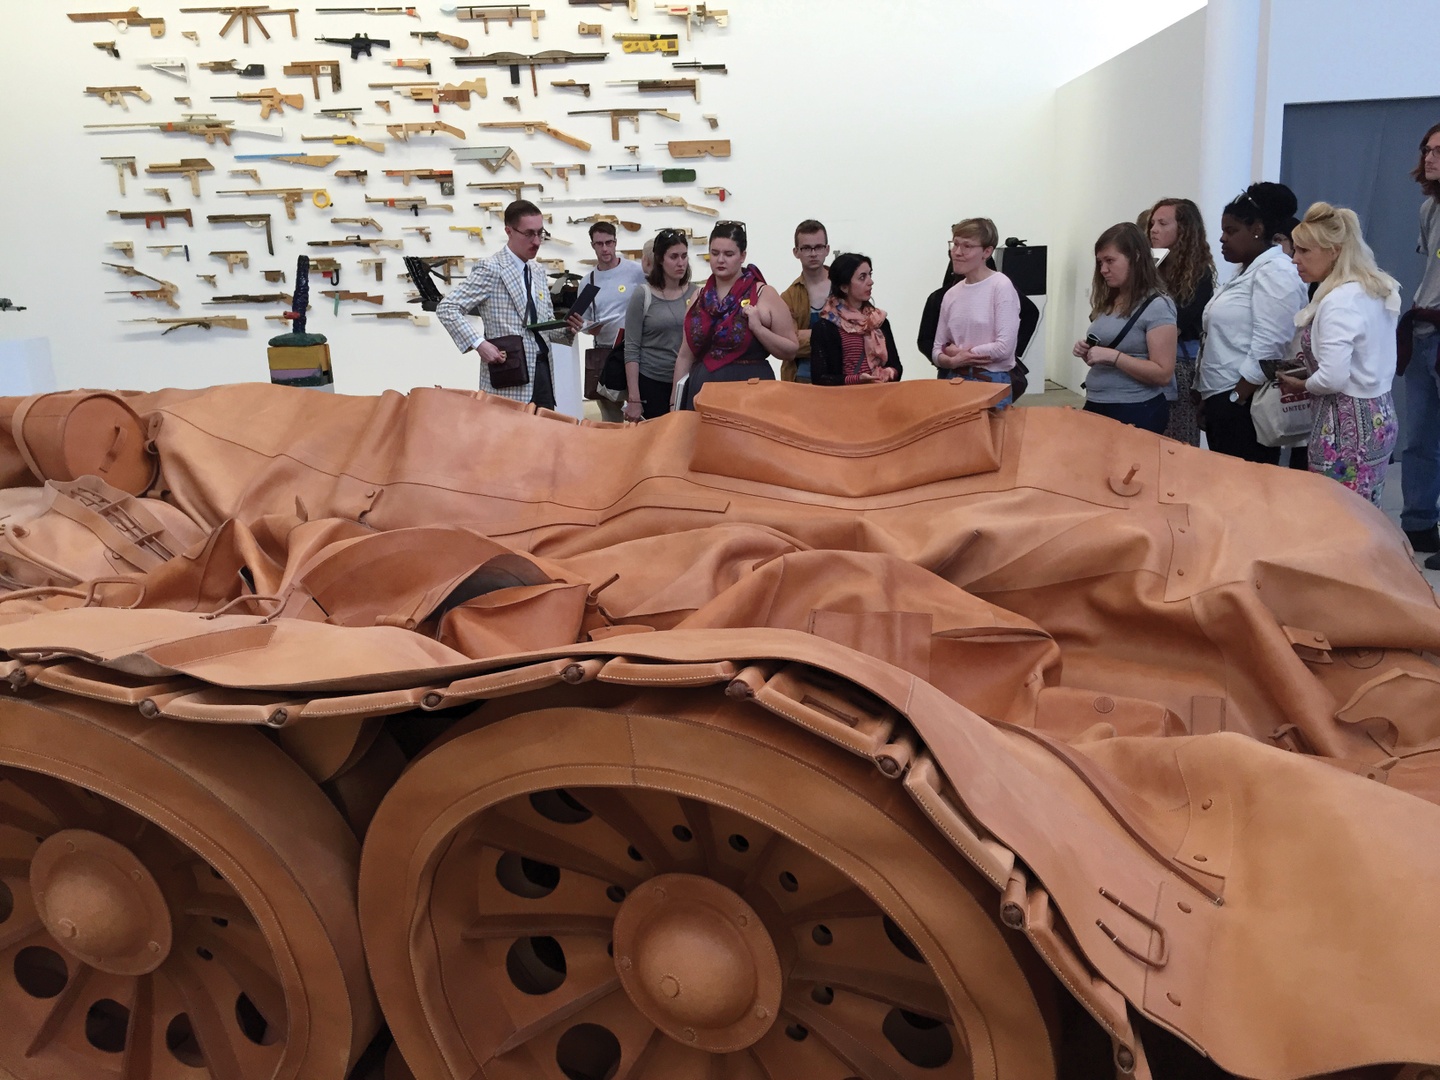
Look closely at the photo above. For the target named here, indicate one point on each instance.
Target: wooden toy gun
(290, 196)
(433, 127)
(270, 100)
(435, 35)
(695, 13)
(314, 69)
(165, 293)
(516, 188)
(122, 20)
(150, 217)
(632, 115)
(121, 164)
(245, 15)
(115, 95)
(206, 126)
(533, 127)
(190, 168)
(255, 221)
(230, 322)
(359, 241)
(413, 203)
(418, 320)
(359, 45)
(515, 61)
(227, 67)
(345, 140)
(483, 13)
(248, 298)
(661, 86)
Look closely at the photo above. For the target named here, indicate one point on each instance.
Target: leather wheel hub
(100, 903)
(698, 962)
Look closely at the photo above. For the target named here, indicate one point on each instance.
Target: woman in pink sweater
(980, 315)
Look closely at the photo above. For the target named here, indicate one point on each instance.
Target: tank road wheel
(580, 894)
(176, 901)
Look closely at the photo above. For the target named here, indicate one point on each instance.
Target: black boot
(1423, 540)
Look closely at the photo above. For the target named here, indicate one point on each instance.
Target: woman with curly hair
(1347, 341)
(1188, 273)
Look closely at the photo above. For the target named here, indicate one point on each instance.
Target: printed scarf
(866, 323)
(713, 329)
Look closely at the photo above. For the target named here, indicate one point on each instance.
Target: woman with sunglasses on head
(655, 327)
(1347, 343)
(851, 343)
(1187, 271)
(735, 324)
(979, 322)
(1130, 348)
(1250, 319)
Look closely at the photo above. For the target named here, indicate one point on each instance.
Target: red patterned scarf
(866, 323)
(713, 329)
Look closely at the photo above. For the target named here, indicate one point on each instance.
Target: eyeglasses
(965, 245)
(812, 249)
(534, 234)
(1426, 151)
(605, 242)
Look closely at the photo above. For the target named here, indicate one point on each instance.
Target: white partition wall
(888, 122)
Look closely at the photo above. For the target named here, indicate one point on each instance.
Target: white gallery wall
(888, 122)
(1127, 133)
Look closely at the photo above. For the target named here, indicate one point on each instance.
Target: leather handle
(116, 445)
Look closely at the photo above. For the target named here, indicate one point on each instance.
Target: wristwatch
(1235, 397)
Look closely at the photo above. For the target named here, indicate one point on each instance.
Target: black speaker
(1023, 265)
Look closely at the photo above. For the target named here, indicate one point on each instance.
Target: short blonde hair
(979, 229)
(1337, 229)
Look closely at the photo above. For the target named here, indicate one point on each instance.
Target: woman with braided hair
(1187, 271)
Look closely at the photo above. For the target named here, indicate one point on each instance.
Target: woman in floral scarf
(851, 343)
(735, 324)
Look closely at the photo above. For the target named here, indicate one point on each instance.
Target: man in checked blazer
(508, 291)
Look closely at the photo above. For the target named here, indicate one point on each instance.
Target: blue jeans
(1151, 414)
(974, 374)
(1420, 438)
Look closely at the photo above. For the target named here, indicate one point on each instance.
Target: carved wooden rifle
(340, 294)
(150, 217)
(516, 188)
(245, 15)
(340, 114)
(697, 148)
(695, 13)
(359, 241)
(165, 293)
(363, 222)
(444, 177)
(314, 161)
(229, 322)
(233, 259)
(667, 176)
(632, 115)
(227, 67)
(661, 86)
(559, 172)
(533, 127)
(418, 320)
(430, 90)
(515, 61)
(640, 200)
(248, 298)
(255, 221)
(270, 100)
(115, 95)
(419, 63)
(590, 219)
(432, 127)
(166, 250)
(358, 175)
(368, 11)
(314, 69)
(483, 13)
(345, 140)
(493, 158)
(290, 196)
(204, 125)
(449, 39)
(413, 203)
(191, 168)
(122, 20)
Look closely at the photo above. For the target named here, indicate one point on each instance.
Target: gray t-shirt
(1111, 386)
(1428, 294)
(617, 285)
(652, 339)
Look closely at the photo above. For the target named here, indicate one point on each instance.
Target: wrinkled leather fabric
(1188, 699)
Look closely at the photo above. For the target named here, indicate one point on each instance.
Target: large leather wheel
(176, 901)
(696, 890)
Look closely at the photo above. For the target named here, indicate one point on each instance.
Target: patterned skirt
(1184, 423)
(1352, 439)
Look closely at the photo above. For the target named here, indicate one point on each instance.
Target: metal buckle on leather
(1145, 957)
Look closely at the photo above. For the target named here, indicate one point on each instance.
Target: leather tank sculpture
(823, 733)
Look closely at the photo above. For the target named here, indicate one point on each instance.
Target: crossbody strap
(1131, 322)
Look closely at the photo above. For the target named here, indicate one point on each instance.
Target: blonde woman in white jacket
(1348, 344)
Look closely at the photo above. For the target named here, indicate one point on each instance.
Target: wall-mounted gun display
(559, 172)
(590, 219)
(233, 258)
(229, 322)
(206, 126)
(516, 188)
(515, 61)
(115, 95)
(431, 91)
(176, 69)
(358, 175)
(227, 67)
(697, 148)
(666, 44)
(661, 86)
(150, 217)
(718, 192)
(375, 264)
(632, 115)
(695, 13)
(313, 161)
(493, 158)
(245, 16)
(254, 221)
(639, 200)
(121, 165)
(165, 293)
(359, 45)
(125, 247)
(532, 127)
(209, 279)
(340, 114)
(475, 232)
(314, 69)
(413, 203)
(253, 174)
(122, 20)
(251, 298)
(166, 250)
(345, 140)
(162, 192)
(432, 127)
(356, 241)
(339, 294)
(444, 177)
(667, 176)
(291, 196)
(270, 100)
(483, 13)
(418, 320)
(418, 63)
(107, 47)
(571, 84)
(421, 229)
(190, 168)
(449, 39)
(363, 222)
